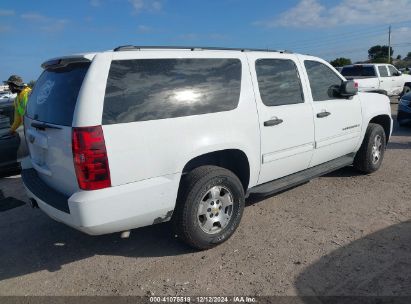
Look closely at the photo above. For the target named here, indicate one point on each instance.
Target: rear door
(338, 120)
(285, 115)
(48, 124)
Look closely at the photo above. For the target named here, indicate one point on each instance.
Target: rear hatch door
(48, 124)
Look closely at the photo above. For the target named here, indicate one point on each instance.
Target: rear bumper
(108, 210)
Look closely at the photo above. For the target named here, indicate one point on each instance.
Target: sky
(34, 31)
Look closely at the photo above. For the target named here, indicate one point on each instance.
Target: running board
(301, 177)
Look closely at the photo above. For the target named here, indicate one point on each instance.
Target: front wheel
(209, 207)
(369, 158)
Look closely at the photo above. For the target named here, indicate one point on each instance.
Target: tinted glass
(393, 71)
(148, 89)
(279, 82)
(324, 82)
(358, 71)
(54, 96)
(406, 96)
(383, 71)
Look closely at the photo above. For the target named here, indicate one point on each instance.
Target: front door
(285, 115)
(396, 80)
(386, 82)
(337, 120)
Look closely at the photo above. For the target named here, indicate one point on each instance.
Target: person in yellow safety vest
(16, 85)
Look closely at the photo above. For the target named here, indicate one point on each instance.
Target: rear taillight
(90, 158)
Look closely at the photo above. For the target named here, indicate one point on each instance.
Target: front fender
(373, 105)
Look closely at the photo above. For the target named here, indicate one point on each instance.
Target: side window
(393, 71)
(279, 82)
(383, 71)
(324, 82)
(368, 71)
(150, 89)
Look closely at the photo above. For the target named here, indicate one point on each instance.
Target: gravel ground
(341, 234)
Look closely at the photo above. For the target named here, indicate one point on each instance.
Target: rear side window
(324, 82)
(54, 96)
(383, 71)
(149, 89)
(279, 82)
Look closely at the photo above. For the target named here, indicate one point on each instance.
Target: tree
(408, 56)
(339, 62)
(379, 53)
(399, 57)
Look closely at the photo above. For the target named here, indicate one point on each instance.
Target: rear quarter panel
(147, 149)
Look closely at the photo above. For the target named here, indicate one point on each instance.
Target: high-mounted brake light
(90, 158)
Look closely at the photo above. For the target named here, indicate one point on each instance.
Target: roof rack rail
(194, 48)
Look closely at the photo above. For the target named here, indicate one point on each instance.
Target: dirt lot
(341, 234)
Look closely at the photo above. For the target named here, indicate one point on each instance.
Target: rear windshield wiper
(43, 126)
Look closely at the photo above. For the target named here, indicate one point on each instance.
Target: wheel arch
(234, 160)
(383, 120)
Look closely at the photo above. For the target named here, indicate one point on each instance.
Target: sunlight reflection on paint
(187, 96)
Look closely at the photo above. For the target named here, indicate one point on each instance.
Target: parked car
(13, 148)
(404, 110)
(6, 114)
(138, 136)
(380, 78)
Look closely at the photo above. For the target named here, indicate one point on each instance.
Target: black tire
(194, 187)
(406, 90)
(364, 159)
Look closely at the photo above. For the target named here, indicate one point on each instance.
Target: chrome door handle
(323, 114)
(272, 122)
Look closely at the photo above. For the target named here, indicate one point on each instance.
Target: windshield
(359, 71)
(54, 96)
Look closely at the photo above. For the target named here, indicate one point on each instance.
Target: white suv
(142, 135)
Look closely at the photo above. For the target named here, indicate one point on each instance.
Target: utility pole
(389, 44)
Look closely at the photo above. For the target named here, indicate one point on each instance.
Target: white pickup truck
(379, 78)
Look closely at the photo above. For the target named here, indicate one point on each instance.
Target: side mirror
(348, 88)
(398, 73)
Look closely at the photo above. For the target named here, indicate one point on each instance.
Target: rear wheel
(370, 156)
(209, 207)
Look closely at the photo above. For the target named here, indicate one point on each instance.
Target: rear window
(149, 89)
(359, 71)
(54, 96)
